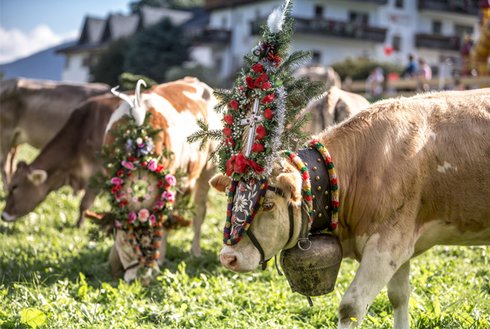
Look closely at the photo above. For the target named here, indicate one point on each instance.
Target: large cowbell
(312, 270)
(244, 200)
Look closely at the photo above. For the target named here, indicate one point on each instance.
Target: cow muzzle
(237, 262)
(7, 217)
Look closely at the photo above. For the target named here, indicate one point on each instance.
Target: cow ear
(291, 182)
(37, 176)
(220, 182)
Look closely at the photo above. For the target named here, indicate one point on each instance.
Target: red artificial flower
(250, 82)
(257, 148)
(120, 173)
(114, 190)
(132, 159)
(228, 119)
(266, 85)
(258, 68)
(229, 166)
(263, 78)
(144, 163)
(129, 173)
(240, 165)
(255, 166)
(268, 98)
(227, 131)
(234, 104)
(160, 168)
(268, 114)
(230, 141)
(261, 132)
(160, 183)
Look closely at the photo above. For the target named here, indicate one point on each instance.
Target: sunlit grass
(49, 265)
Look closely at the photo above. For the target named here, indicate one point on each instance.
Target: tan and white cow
(33, 111)
(175, 107)
(413, 173)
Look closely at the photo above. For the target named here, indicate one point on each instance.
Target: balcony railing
(333, 28)
(468, 7)
(436, 41)
(209, 35)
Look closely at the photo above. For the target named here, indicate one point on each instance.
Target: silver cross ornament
(252, 121)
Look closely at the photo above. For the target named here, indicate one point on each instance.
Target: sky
(29, 26)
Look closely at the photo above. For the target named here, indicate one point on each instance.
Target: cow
(412, 173)
(175, 107)
(70, 158)
(33, 111)
(335, 106)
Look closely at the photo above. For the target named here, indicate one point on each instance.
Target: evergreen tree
(110, 63)
(156, 49)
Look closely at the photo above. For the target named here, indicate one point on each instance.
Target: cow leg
(399, 294)
(200, 198)
(381, 258)
(87, 201)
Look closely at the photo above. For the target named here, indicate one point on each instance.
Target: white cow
(413, 173)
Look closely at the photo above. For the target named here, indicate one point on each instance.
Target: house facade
(385, 30)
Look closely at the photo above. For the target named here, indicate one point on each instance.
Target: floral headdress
(141, 190)
(261, 116)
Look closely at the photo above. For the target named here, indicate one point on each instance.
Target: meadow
(53, 275)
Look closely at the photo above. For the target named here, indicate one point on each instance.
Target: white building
(385, 30)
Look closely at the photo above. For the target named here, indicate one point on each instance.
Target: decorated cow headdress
(261, 117)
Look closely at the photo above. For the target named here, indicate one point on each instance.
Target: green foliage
(153, 51)
(205, 74)
(360, 68)
(175, 4)
(48, 264)
(128, 81)
(110, 64)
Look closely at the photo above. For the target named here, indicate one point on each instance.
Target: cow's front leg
(200, 198)
(381, 258)
(87, 201)
(399, 294)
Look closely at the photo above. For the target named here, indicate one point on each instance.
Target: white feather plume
(276, 18)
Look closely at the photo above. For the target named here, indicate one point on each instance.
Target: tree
(174, 4)
(110, 64)
(156, 49)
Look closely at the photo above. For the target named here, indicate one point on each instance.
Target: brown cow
(70, 158)
(175, 107)
(413, 173)
(33, 111)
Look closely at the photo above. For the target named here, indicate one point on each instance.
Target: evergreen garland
(267, 75)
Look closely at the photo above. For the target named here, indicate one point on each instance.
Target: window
(399, 3)
(316, 57)
(462, 30)
(397, 42)
(86, 61)
(436, 27)
(318, 11)
(358, 18)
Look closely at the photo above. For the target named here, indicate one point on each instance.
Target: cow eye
(268, 206)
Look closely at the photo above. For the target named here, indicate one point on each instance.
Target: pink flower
(116, 181)
(153, 220)
(132, 217)
(117, 224)
(143, 215)
(169, 196)
(159, 204)
(152, 165)
(170, 179)
(127, 165)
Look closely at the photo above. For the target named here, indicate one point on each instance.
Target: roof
(152, 15)
(217, 4)
(119, 26)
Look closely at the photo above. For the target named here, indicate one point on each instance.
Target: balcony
(333, 28)
(436, 41)
(465, 7)
(209, 35)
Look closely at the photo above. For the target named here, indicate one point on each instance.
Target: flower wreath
(141, 190)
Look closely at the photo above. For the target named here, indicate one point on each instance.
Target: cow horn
(137, 91)
(122, 96)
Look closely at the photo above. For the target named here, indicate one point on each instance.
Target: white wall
(75, 71)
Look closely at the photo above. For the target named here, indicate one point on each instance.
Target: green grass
(53, 275)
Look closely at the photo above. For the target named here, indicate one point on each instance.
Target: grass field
(53, 275)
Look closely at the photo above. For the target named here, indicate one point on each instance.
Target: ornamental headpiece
(261, 117)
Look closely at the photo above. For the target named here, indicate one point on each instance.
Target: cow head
(271, 226)
(29, 186)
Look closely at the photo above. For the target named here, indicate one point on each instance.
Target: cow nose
(7, 217)
(228, 260)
